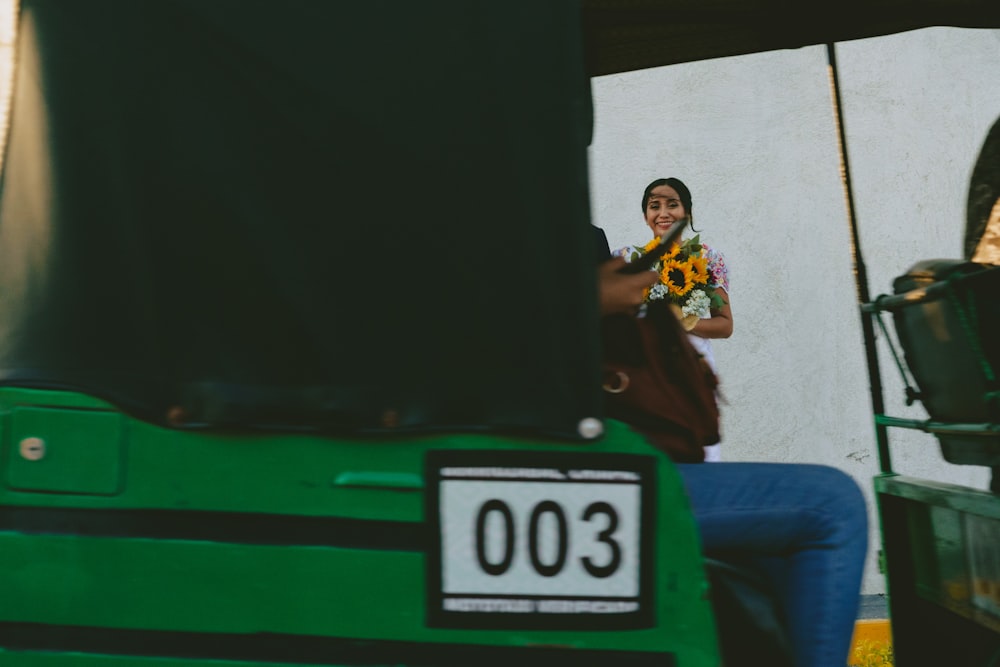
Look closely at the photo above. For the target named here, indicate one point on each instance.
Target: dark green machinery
(941, 541)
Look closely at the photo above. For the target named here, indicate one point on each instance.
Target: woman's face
(663, 209)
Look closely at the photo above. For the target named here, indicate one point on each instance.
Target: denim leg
(813, 518)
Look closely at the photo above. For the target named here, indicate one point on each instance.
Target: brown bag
(655, 381)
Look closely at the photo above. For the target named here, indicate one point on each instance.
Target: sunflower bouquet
(685, 280)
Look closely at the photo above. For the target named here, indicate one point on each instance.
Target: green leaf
(717, 300)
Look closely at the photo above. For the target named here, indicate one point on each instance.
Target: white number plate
(530, 539)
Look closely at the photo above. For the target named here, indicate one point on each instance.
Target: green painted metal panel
(60, 450)
(211, 587)
(941, 545)
(222, 588)
(218, 584)
(930, 492)
(23, 659)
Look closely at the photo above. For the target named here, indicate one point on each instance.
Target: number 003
(591, 513)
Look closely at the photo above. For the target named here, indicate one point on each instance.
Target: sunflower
(678, 277)
(670, 254)
(699, 266)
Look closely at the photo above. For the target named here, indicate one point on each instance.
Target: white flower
(658, 291)
(697, 303)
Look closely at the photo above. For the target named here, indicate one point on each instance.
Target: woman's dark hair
(682, 192)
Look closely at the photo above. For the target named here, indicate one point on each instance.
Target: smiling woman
(693, 277)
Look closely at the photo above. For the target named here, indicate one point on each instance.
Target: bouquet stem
(687, 321)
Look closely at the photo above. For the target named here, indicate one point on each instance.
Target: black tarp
(350, 216)
(626, 35)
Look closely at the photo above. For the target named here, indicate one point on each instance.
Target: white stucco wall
(755, 140)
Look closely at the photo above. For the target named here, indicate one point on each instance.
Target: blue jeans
(810, 520)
